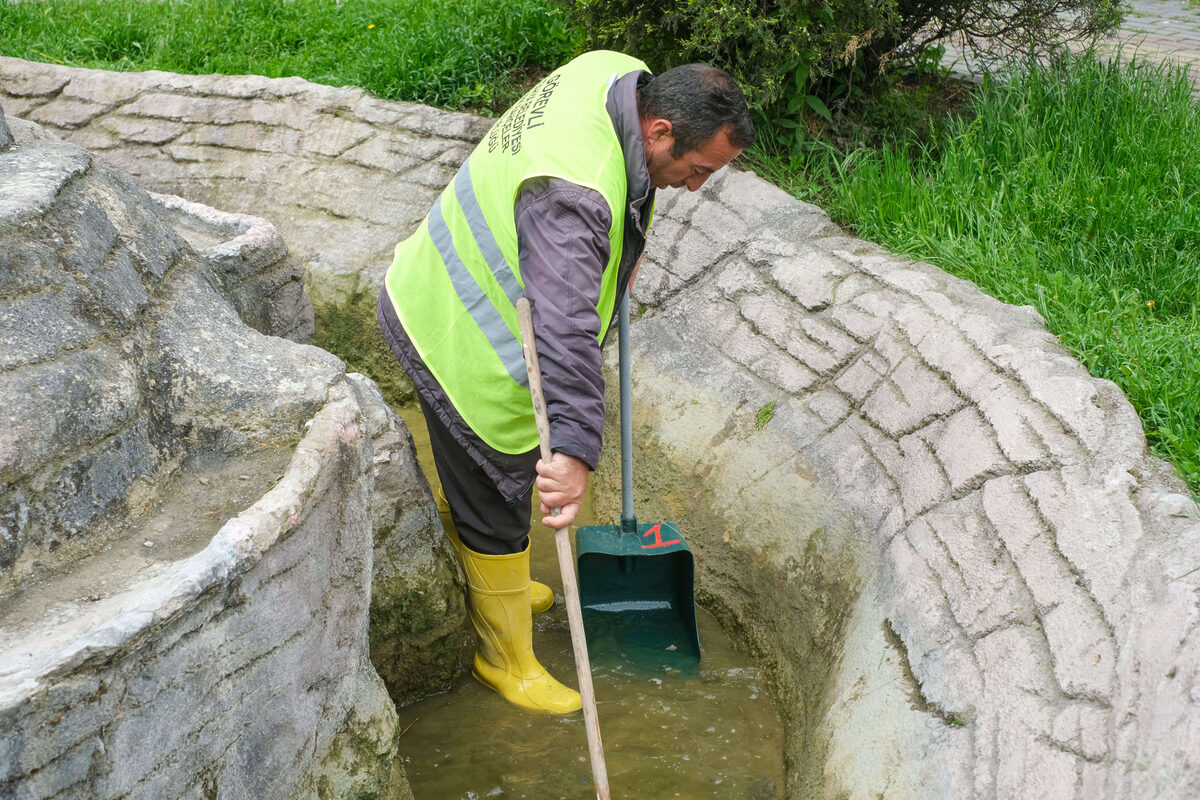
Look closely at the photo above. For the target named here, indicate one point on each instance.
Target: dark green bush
(795, 57)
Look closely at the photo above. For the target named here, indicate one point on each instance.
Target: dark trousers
(485, 522)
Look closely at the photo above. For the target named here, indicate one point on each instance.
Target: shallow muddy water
(669, 730)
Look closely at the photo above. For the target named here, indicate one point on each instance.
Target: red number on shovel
(658, 542)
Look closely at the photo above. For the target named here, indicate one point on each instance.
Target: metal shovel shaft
(628, 520)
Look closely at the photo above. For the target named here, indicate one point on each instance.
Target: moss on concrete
(351, 332)
(418, 642)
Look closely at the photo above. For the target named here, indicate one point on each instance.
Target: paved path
(1153, 29)
(1163, 29)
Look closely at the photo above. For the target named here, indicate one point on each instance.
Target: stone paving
(1021, 617)
(1153, 30)
(1162, 29)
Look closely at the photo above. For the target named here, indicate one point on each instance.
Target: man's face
(691, 169)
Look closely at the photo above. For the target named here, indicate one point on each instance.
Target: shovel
(636, 582)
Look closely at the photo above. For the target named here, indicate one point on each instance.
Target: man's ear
(657, 129)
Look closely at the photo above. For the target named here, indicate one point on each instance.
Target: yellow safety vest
(454, 283)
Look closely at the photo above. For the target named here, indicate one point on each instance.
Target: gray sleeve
(562, 241)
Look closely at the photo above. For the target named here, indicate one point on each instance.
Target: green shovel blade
(637, 594)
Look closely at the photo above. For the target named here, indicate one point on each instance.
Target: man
(553, 204)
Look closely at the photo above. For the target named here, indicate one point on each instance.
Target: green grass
(449, 53)
(1075, 189)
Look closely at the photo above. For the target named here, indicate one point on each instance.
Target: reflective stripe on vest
(471, 294)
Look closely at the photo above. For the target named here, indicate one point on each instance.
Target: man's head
(694, 121)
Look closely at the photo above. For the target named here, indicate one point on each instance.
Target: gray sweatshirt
(563, 247)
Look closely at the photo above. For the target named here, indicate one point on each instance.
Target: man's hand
(561, 484)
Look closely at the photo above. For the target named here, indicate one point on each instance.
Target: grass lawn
(450, 53)
(1074, 189)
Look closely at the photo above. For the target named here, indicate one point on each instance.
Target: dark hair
(699, 101)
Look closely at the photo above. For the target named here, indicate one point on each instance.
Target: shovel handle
(583, 667)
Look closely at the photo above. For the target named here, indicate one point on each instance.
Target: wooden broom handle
(583, 668)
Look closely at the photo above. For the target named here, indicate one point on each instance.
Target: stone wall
(294, 152)
(981, 584)
(237, 672)
(147, 650)
(944, 538)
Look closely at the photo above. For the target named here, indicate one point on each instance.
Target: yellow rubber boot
(541, 596)
(504, 659)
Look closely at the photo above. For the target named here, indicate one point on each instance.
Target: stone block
(32, 177)
(744, 346)
(905, 277)
(859, 379)
(850, 462)
(751, 199)
(20, 107)
(28, 266)
(62, 404)
(922, 482)
(382, 153)
(910, 398)
(66, 112)
(250, 136)
(1029, 768)
(739, 281)
(93, 139)
(694, 251)
(1092, 410)
(944, 348)
(830, 407)
(136, 129)
(810, 277)
(38, 327)
(865, 312)
(984, 591)
(818, 329)
(1082, 649)
(117, 289)
(331, 135)
(99, 87)
(1017, 423)
(18, 80)
(1097, 530)
(785, 372)
(1082, 728)
(1083, 652)
(784, 326)
(966, 447)
(938, 653)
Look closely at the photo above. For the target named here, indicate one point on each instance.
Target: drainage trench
(739, 726)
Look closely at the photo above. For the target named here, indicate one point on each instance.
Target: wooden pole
(583, 667)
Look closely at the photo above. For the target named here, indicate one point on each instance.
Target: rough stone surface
(293, 152)
(419, 632)
(147, 650)
(947, 543)
(251, 265)
(1014, 549)
(237, 671)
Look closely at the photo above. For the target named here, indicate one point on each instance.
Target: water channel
(709, 731)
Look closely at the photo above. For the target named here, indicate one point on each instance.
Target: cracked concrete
(966, 575)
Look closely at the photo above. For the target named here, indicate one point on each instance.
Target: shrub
(794, 57)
